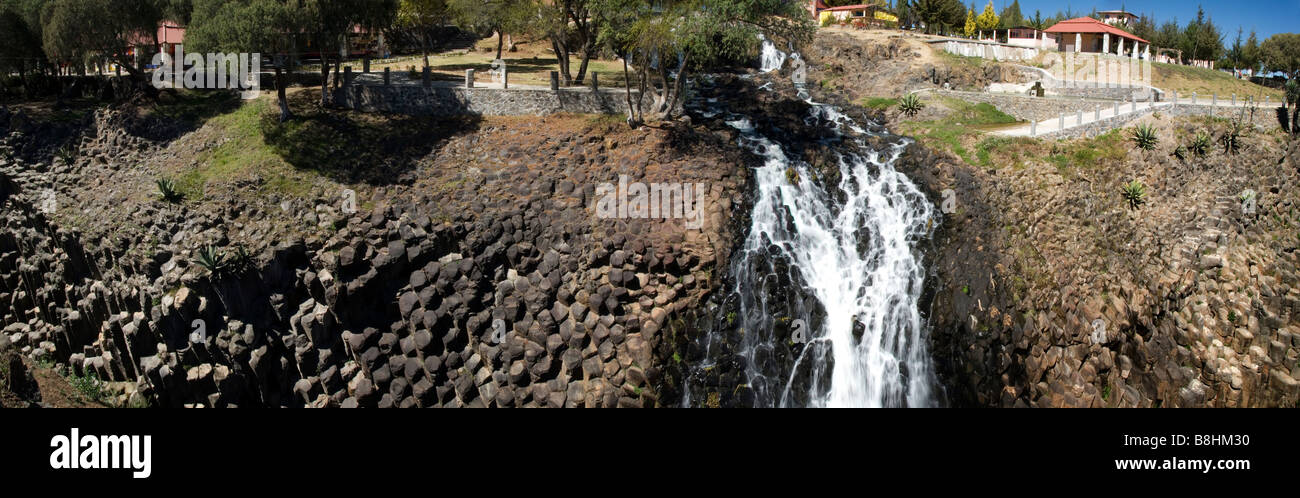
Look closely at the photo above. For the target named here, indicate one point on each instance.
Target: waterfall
(836, 259)
(771, 59)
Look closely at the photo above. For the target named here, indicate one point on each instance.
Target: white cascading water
(771, 58)
(853, 251)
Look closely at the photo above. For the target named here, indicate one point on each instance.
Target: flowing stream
(824, 309)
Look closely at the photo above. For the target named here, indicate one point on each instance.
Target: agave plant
(1181, 153)
(213, 260)
(910, 104)
(167, 189)
(1145, 137)
(1135, 194)
(66, 154)
(242, 261)
(1231, 139)
(1201, 144)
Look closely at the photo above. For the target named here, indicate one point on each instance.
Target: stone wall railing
(1262, 118)
(1027, 108)
(446, 100)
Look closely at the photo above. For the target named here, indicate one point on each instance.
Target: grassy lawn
(1206, 82)
(960, 129)
(964, 133)
(243, 154)
(878, 103)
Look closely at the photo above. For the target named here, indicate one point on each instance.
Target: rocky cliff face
(1052, 291)
(485, 280)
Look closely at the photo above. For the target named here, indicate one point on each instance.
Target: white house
(1118, 17)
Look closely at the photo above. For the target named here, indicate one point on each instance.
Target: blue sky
(1266, 16)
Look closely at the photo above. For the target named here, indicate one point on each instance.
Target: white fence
(992, 51)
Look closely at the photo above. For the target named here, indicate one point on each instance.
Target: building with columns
(1088, 35)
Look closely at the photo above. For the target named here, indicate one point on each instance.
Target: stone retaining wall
(1029, 108)
(449, 101)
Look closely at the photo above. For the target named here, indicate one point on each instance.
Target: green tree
(667, 40)
(420, 17)
(940, 16)
(502, 17)
(906, 17)
(1281, 53)
(327, 23)
(1038, 22)
(262, 26)
(971, 25)
(20, 46)
(1250, 54)
(988, 19)
(1011, 16)
(68, 37)
(1232, 56)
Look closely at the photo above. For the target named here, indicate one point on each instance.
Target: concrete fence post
(1175, 104)
(427, 77)
(388, 76)
(1135, 103)
(365, 64)
(1266, 99)
(1116, 108)
(1080, 117)
(469, 78)
(1061, 124)
(1214, 99)
(555, 81)
(1033, 128)
(1234, 99)
(594, 84)
(1096, 113)
(347, 76)
(1193, 98)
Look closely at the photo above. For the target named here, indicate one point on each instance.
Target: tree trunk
(280, 83)
(561, 50)
(587, 49)
(632, 119)
(501, 40)
(324, 79)
(424, 46)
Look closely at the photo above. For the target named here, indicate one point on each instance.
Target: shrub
(1231, 139)
(1135, 194)
(1145, 137)
(1181, 153)
(213, 260)
(242, 261)
(910, 104)
(167, 189)
(1201, 144)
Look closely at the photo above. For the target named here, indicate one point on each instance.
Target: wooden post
(469, 78)
(555, 81)
(427, 77)
(365, 64)
(347, 76)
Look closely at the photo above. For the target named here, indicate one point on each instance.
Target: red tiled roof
(1090, 25)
